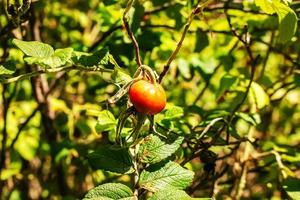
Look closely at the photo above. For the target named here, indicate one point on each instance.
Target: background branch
(195, 11)
(130, 33)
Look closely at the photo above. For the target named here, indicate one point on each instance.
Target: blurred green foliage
(53, 124)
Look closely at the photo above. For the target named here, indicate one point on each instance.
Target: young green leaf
(34, 48)
(59, 58)
(110, 191)
(153, 149)
(106, 121)
(165, 176)
(111, 159)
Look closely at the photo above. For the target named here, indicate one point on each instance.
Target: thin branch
(232, 7)
(106, 34)
(195, 11)
(206, 129)
(275, 49)
(253, 62)
(130, 33)
(52, 70)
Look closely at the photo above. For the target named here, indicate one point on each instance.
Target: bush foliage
(230, 129)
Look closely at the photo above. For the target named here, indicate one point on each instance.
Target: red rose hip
(147, 98)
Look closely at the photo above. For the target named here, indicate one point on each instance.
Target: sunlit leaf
(287, 17)
(110, 191)
(106, 121)
(34, 48)
(258, 96)
(165, 176)
(154, 149)
(60, 58)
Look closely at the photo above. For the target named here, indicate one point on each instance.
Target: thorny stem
(130, 33)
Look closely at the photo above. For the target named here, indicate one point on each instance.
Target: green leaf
(173, 194)
(184, 68)
(291, 186)
(266, 6)
(287, 23)
(120, 76)
(287, 17)
(165, 176)
(28, 143)
(258, 96)
(59, 58)
(227, 62)
(201, 41)
(226, 83)
(111, 159)
(249, 118)
(110, 191)
(153, 149)
(106, 121)
(34, 48)
(100, 57)
(7, 68)
(173, 113)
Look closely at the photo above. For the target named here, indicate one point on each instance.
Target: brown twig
(106, 34)
(195, 11)
(130, 33)
(253, 62)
